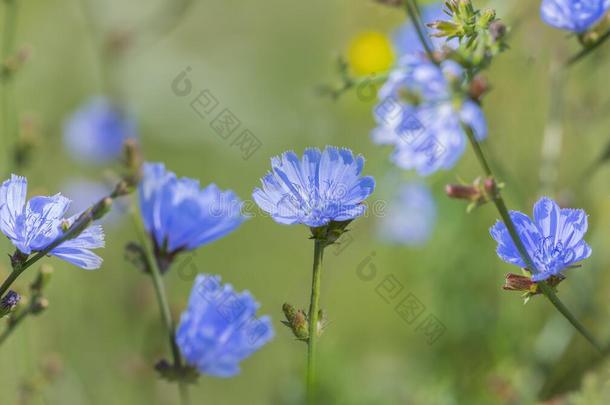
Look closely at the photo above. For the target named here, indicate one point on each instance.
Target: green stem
(164, 307)
(550, 294)
(166, 314)
(413, 12)
(11, 279)
(313, 321)
(580, 55)
(510, 226)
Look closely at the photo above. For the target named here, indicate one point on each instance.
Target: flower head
(410, 216)
(553, 240)
(219, 328)
(96, 132)
(319, 188)
(179, 215)
(573, 15)
(35, 225)
(422, 118)
(370, 52)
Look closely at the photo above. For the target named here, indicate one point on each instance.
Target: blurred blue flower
(420, 116)
(34, 225)
(95, 133)
(406, 40)
(410, 216)
(219, 328)
(315, 190)
(179, 215)
(573, 15)
(554, 240)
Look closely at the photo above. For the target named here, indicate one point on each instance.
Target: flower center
(316, 202)
(553, 256)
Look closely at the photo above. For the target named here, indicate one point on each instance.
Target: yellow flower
(370, 52)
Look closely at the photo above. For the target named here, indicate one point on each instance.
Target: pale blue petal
(44, 216)
(12, 204)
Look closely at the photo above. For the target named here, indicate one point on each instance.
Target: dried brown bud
(478, 87)
(516, 282)
(497, 29)
(462, 191)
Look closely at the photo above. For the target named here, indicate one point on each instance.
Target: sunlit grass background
(97, 342)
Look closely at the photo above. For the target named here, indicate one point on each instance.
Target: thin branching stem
(166, 315)
(587, 50)
(510, 226)
(413, 11)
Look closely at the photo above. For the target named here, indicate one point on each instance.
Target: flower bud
(462, 192)
(17, 259)
(175, 373)
(133, 160)
(289, 311)
(39, 305)
(478, 87)
(516, 282)
(102, 208)
(486, 17)
(42, 279)
(477, 193)
(300, 325)
(122, 188)
(490, 187)
(135, 254)
(9, 302)
(497, 29)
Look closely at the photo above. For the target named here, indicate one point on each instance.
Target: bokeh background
(98, 340)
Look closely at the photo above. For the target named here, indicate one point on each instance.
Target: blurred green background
(98, 340)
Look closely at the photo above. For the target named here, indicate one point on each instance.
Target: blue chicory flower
(96, 132)
(553, 240)
(315, 190)
(421, 117)
(410, 216)
(179, 215)
(219, 328)
(34, 225)
(407, 42)
(573, 15)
